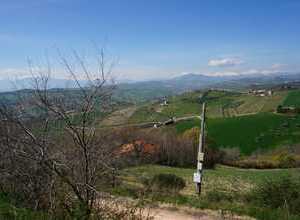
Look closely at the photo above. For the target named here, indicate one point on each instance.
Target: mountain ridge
(189, 81)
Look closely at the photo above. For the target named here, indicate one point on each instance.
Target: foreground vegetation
(10, 210)
(230, 189)
(60, 173)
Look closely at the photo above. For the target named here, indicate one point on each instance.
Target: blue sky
(156, 38)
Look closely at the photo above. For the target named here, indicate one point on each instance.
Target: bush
(256, 164)
(155, 146)
(9, 210)
(282, 193)
(218, 196)
(287, 161)
(212, 154)
(165, 183)
(230, 155)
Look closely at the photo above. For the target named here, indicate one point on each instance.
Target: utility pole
(200, 156)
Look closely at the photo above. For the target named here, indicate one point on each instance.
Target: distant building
(164, 102)
(270, 92)
(260, 92)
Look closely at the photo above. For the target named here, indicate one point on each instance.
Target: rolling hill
(252, 120)
(142, 91)
(235, 120)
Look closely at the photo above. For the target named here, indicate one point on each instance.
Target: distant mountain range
(192, 81)
(157, 88)
(141, 91)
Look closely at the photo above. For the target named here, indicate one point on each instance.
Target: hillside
(141, 91)
(292, 99)
(220, 104)
(235, 120)
(250, 133)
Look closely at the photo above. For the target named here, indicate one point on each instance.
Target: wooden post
(200, 156)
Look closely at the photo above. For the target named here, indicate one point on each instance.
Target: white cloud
(278, 66)
(230, 73)
(225, 62)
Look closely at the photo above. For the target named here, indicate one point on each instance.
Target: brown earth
(184, 213)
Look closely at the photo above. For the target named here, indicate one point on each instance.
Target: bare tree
(74, 156)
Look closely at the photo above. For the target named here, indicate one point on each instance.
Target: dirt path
(166, 214)
(168, 211)
(193, 214)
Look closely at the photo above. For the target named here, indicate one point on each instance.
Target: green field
(292, 99)
(235, 120)
(220, 104)
(250, 133)
(186, 104)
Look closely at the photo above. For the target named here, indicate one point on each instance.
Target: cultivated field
(235, 120)
(292, 99)
(250, 133)
(220, 104)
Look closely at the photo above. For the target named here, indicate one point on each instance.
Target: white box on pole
(197, 177)
(200, 156)
(199, 166)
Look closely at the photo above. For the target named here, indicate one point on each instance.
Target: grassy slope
(219, 104)
(239, 104)
(225, 180)
(292, 99)
(250, 132)
(223, 177)
(254, 128)
(182, 105)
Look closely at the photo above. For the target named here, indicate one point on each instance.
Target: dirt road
(164, 214)
(168, 211)
(184, 213)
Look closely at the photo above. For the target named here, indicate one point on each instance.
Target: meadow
(220, 104)
(235, 120)
(250, 133)
(225, 187)
(292, 99)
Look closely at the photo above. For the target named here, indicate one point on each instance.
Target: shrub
(282, 193)
(218, 196)
(165, 183)
(287, 161)
(230, 155)
(212, 154)
(256, 164)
